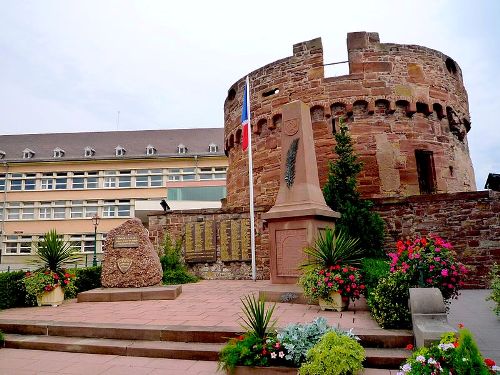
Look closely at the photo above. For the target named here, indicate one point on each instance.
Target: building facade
(60, 181)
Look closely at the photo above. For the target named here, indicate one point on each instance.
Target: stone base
(166, 292)
(283, 293)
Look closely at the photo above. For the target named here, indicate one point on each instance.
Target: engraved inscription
(290, 244)
(245, 240)
(124, 264)
(125, 241)
(224, 241)
(291, 127)
(200, 242)
(235, 240)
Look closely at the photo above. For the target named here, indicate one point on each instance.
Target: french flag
(245, 121)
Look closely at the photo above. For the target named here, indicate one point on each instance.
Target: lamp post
(95, 221)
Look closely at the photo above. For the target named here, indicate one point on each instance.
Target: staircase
(384, 348)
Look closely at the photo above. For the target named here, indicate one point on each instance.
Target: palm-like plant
(257, 319)
(53, 252)
(333, 247)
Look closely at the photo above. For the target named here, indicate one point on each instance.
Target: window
(109, 209)
(89, 152)
(2, 154)
(181, 149)
(21, 181)
(124, 180)
(2, 182)
(30, 181)
(212, 173)
(18, 244)
(28, 154)
(204, 193)
(181, 174)
(148, 177)
(91, 208)
(114, 208)
(28, 212)
(150, 150)
(13, 213)
(78, 181)
(16, 182)
(1, 212)
(92, 180)
(110, 179)
(83, 242)
(76, 211)
(61, 181)
(58, 152)
(124, 208)
(47, 181)
(212, 147)
(59, 210)
(120, 151)
(45, 210)
(425, 171)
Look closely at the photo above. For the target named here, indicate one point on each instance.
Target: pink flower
(330, 285)
(444, 272)
(437, 259)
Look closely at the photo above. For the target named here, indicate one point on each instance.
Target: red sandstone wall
(394, 100)
(470, 221)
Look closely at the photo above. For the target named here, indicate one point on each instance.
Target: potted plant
(50, 282)
(334, 354)
(452, 355)
(330, 275)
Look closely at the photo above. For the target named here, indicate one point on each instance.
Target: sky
(70, 66)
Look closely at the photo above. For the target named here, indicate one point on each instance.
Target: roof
(165, 142)
(493, 182)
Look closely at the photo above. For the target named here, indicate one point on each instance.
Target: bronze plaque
(200, 242)
(290, 244)
(124, 240)
(235, 240)
(124, 264)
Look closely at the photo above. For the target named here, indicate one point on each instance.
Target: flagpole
(250, 181)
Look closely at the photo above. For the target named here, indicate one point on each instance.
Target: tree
(341, 194)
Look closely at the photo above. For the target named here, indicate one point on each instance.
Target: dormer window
(120, 151)
(28, 154)
(2, 154)
(181, 149)
(212, 147)
(150, 150)
(58, 152)
(89, 152)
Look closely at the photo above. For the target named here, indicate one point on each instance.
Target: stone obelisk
(300, 209)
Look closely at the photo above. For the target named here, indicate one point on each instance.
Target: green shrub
(2, 337)
(298, 338)
(12, 290)
(495, 288)
(172, 263)
(372, 270)
(88, 278)
(389, 301)
(178, 276)
(334, 354)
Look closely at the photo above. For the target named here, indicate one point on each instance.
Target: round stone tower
(405, 106)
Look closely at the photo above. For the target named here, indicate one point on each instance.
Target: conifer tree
(341, 194)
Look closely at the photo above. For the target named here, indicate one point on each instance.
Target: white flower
(273, 355)
(406, 367)
(420, 359)
(446, 346)
(281, 354)
(495, 368)
(464, 359)
(431, 361)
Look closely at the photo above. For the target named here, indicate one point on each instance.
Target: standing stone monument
(130, 259)
(300, 209)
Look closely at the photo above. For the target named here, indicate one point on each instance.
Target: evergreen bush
(12, 290)
(340, 192)
(495, 288)
(88, 278)
(372, 270)
(172, 263)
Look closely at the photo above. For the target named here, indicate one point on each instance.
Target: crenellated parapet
(399, 102)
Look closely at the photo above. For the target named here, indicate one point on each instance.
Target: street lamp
(95, 221)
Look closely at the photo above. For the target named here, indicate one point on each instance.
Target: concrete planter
(248, 370)
(336, 303)
(53, 298)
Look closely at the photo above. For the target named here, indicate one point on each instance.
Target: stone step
(375, 358)
(163, 292)
(371, 338)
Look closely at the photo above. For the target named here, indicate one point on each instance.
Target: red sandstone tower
(405, 105)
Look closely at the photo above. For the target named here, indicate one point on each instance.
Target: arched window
(212, 147)
(150, 150)
(181, 149)
(28, 154)
(58, 152)
(88, 152)
(120, 151)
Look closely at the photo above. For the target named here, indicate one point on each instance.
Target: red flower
(345, 269)
(67, 275)
(66, 281)
(489, 362)
(409, 347)
(240, 337)
(455, 344)
(264, 351)
(460, 325)
(56, 276)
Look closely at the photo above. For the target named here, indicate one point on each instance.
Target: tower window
(426, 171)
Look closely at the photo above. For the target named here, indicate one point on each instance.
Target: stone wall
(396, 99)
(470, 221)
(174, 223)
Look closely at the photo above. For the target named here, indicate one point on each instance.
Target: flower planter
(53, 298)
(248, 370)
(335, 303)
